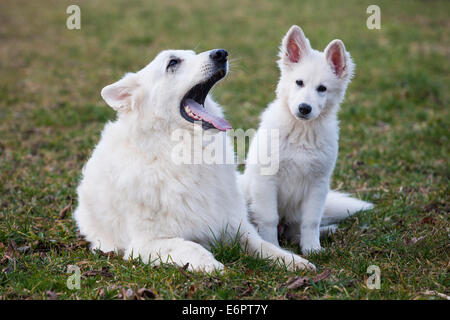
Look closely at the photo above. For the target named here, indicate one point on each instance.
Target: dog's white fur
(298, 193)
(134, 199)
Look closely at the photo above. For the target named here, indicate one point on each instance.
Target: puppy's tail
(339, 206)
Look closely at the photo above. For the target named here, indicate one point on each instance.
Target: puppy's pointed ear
(120, 95)
(339, 60)
(295, 46)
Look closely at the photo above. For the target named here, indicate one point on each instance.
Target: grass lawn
(394, 145)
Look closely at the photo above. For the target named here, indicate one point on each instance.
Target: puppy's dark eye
(321, 88)
(172, 63)
(300, 83)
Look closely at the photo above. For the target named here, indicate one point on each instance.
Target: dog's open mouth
(192, 108)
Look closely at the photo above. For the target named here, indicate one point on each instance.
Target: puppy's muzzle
(219, 57)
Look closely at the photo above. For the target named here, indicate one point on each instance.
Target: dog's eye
(299, 83)
(172, 63)
(321, 88)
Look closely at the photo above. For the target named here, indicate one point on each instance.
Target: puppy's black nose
(304, 109)
(219, 55)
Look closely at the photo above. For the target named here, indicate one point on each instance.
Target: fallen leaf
(76, 245)
(51, 295)
(192, 290)
(437, 206)
(143, 293)
(249, 272)
(126, 294)
(297, 282)
(322, 276)
(10, 253)
(295, 296)
(101, 293)
(63, 212)
(104, 271)
(428, 220)
(183, 270)
(248, 291)
(83, 262)
(108, 254)
(9, 268)
(435, 293)
(129, 293)
(24, 249)
(414, 240)
(213, 282)
(357, 163)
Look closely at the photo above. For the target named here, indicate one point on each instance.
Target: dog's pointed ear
(339, 60)
(119, 95)
(295, 46)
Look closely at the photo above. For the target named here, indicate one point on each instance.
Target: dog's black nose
(219, 55)
(304, 109)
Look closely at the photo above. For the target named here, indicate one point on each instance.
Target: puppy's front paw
(306, 250)
(299, 263)
(310, 244)
(205, 263)
(207, 267)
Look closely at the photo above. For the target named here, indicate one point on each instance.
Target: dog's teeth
(191, 114)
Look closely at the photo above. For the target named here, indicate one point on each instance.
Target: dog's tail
(339, 206)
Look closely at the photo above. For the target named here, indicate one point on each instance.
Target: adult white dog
(134, 199)
(311, 87)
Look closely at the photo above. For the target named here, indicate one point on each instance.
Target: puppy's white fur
(298, 193)
(134, 199)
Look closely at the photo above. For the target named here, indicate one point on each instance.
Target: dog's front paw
(310, 244)
(207, 266)
(299, 263)
(204, 262)
(307, 250)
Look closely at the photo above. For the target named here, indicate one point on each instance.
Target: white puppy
(311, 87)
(133, 197)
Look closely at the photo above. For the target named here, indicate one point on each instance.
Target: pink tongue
(198, 110)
